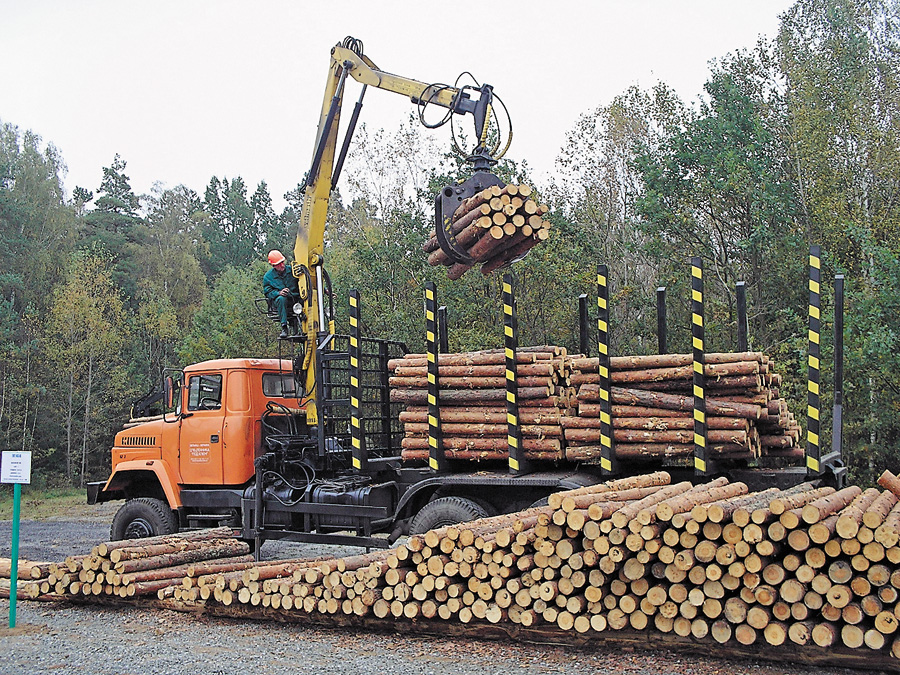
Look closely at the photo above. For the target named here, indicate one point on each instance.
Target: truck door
(201, 431)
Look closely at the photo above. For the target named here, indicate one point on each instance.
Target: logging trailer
(307, 447)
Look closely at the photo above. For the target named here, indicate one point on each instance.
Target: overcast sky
(187, 89)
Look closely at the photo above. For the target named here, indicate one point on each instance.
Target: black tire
(143, 517)
(446, 511)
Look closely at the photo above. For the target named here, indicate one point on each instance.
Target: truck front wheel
(446, 511)
(143, 517)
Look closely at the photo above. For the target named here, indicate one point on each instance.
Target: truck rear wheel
(143, 517)
(446, 511)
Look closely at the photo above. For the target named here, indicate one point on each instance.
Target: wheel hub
(138, 529)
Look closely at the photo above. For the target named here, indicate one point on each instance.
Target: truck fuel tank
(351, 494)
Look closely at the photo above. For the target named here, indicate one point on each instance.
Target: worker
(280, 287)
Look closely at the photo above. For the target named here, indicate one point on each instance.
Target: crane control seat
(266, 307)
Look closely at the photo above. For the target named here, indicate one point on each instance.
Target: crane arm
(347, 58)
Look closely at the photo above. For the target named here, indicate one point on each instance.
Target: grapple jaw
(448, 200)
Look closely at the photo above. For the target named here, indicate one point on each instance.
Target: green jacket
(274, 281)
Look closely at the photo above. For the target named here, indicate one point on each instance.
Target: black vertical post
(813, 400)
(837, 429)
(742, 338)
(701, 454)
(384, 400)
(357, 433)
(517, 462)
(608, 464)
(442, 330)
(662, 337)
(584, 328)
(436, 459)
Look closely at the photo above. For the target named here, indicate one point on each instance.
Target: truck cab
(208, 438)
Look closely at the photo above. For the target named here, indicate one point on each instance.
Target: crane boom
(347, 58)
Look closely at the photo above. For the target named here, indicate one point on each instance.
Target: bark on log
(714, 407)
(825, 506)
(220, 549)
(464, 443)
(483, 415)
(878, 511)
(452, 396)
(656, 479)
(890, 482)
(850, 518)
(654, 423)
(214, 533)
(664, 360)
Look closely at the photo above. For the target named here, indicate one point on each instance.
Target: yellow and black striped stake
(813, 401)
(517, 461)
(436, 460)
(701, 455)
(608, 463)
(357, 435)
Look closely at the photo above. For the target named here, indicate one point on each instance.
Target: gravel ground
(63, 638)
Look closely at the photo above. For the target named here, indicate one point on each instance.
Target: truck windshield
(279, 385)
(205, 392)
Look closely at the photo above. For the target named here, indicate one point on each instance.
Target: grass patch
(42, 503)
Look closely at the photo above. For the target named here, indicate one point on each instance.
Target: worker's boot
(284, 332)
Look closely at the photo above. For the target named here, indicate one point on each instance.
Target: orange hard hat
(275, 257)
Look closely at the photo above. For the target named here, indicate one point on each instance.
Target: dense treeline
(793, 142)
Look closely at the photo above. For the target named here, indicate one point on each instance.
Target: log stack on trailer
(494, 227)
(473, 403)
(652, 408)
(559, 406)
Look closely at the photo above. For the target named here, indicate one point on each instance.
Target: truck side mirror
(169, 391)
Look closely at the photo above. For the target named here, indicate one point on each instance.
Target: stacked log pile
(494, 227)
(803, 566)
(652, 410)
(135, 567)
(31, 580)
(713, 564)
(473, 403)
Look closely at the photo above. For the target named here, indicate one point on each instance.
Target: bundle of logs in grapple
(494, 227)
(473, 398)
(653, 402)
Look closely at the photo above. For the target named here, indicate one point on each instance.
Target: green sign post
(15, 468)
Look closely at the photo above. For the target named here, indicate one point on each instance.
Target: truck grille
(134, 441)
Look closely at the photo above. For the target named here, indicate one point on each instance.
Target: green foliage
(842, 65)
(228, 325)
(112, 223)
(231, 229)
(84, 333)
(872, 335)
(594, 203)
(36, 225)
(718, 188)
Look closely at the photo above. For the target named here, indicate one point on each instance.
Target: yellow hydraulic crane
(348, 59)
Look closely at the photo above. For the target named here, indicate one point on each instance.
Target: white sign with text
(15, 466)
